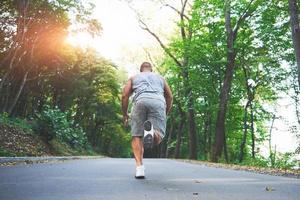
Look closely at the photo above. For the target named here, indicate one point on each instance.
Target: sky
(122, 40)
(125, 43)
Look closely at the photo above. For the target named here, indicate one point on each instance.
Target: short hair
(145, 65)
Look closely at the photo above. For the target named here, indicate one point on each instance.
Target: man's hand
(127, 91)
(125, 120)
(169, 97)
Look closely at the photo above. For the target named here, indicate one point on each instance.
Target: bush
(258, 161)
(5, 153)
(52, 123)
(285, 161)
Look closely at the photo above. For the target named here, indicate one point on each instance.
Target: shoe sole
(148, 139)
(147, 125)
(140, 177)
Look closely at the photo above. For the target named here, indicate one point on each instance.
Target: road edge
(259, 170)
(12, 161)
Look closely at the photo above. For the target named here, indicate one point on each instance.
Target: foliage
(63, 149)
(52, 123)
(263, 48)
(73, 93)
(5, 153)
(285, 161)
(115, 141)
(259, 161)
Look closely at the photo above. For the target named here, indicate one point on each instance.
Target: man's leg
(138, 116)
(138, 150)
(157, 115)
(157, 137)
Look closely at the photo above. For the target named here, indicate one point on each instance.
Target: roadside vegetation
(228, 63)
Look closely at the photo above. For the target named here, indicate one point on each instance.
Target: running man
(152, 101)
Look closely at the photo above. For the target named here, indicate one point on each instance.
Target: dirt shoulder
(262, 170)
(11, 161)
(15, 142)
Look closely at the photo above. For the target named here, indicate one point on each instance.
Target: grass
(6, 153)
(21, 127)
(17, 123)
(62, 149)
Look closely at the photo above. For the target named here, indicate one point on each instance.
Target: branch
(144, 26)
(152, 60)
(163, 46)
(228, 17)
(242, 18)
(176, 10)
(183, 6)
(149, 56)
(182, 30)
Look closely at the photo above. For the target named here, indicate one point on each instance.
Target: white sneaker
(140, 172)
(148, 135)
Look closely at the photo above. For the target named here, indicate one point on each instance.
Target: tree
(256, 67)
(40, 74)
(294, 20)
(232, 33)
(182, 61)
(38, 29)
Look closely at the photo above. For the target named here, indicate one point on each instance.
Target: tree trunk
(252, 130)
(16, 98)
(2, 83)
(225, 151)
(296, 98)
(205, 136)
(180, 131)
(224, 95)
(244, 139)
(192, 134)
(209, 137)
(7, 98)
(293, 9)
(167, 151)
(271, 154)
(179, 138)
(21, 105)
(191, 117)
(185, 36)
(164, 146)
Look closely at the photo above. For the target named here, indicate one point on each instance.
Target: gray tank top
(148, 85)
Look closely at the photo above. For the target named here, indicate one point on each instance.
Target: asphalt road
(108, 178)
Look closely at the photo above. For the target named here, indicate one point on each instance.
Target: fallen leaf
(269, 189)
(196, 181)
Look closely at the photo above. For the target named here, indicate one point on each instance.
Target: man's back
(152, 101)
(148, 85)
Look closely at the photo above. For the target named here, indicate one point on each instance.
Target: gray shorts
(148, 109)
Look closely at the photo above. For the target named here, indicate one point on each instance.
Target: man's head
(146, 67)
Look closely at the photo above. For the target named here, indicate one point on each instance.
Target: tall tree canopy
(39, 71)
(227, 64)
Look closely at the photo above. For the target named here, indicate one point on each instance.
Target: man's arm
(127, 91)
(168, 97)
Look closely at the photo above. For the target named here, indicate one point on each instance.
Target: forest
(228, 64)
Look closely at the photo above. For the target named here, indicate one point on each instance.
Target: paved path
(109, 179)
